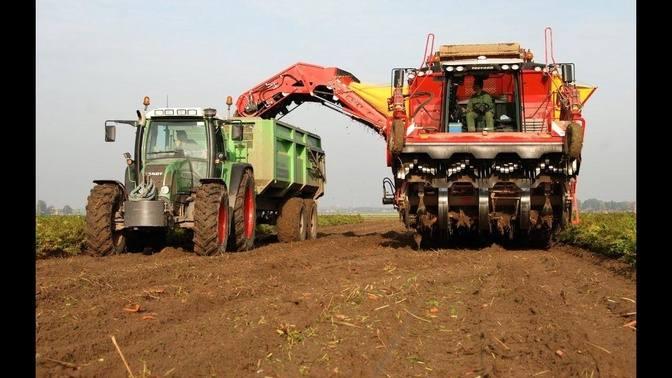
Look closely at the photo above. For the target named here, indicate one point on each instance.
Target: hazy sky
(97, 59)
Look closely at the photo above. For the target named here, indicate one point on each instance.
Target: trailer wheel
(311, 219)
(574, 140)
(291, 221)
(397, 137)
(244, 214)
(102, 238)
(211, 219)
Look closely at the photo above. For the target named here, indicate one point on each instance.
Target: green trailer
(217, 177)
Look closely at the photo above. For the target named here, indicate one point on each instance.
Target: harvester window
(500, 87)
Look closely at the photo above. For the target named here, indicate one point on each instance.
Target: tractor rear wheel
(311, 219)
(244, 214)
(211, 219)
(102, 236)
(291, 221)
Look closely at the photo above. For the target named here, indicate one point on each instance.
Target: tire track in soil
(500, 313)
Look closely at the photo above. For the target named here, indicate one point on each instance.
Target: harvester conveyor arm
(304, 82)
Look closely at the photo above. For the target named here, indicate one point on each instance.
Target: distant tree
(51, 210)
(41, 207)
(67, 210)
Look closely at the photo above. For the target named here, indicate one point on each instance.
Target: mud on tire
(211, 219)
(574, 140)
(244, 215)
(291, 221)
(310, 221)
(102, 205)
(397, 137)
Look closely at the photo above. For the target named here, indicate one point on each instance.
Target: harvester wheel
(211, 219)
(244, 214)
(311, 219)
(291, 221)
(574, 139)
(397, 137)
(102, 238)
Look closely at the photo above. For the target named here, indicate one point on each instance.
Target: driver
(189, 146)
(480, 106)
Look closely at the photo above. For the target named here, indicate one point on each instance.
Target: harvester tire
(291, 223)
(211, 219)
(101, 237)
(244, 215)
(574, 140)
(397, 137)
(311, 219)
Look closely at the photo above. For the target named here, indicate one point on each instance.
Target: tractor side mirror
(237, 132)
(110, 133)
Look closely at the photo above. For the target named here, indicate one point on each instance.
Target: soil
(357, 301)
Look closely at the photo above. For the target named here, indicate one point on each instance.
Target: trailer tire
(244, 214)
(397, 137)
(574, 140)
(311, 219)
(291, 221)
(101, 238)
(211, 219)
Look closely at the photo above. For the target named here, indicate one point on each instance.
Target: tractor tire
(244, 215)
(291, 223)
(574, 140)
(101, 237)
(311, 219)
(397, 137)
(211, 219)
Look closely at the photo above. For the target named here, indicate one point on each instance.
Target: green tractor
(217, 177)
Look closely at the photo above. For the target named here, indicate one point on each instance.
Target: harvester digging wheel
(211, 219)
(397, 137)
(244, 215)
(291, 221)
(311, 219)
(102, 237)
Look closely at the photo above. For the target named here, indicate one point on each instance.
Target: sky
(96, 60)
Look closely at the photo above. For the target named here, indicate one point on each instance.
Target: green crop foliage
(338, 219)
(610, 234)
(59, 235)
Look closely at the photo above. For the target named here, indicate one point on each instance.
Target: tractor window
(175, 138)
(172, 140)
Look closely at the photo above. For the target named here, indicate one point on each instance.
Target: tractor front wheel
(102, 236)
(211, 219)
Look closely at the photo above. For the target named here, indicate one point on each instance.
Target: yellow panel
(375, 94)
(585, 91)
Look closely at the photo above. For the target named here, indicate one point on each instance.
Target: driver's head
(478, 85)
(181, 135)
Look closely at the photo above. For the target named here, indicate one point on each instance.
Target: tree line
(44, 209)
